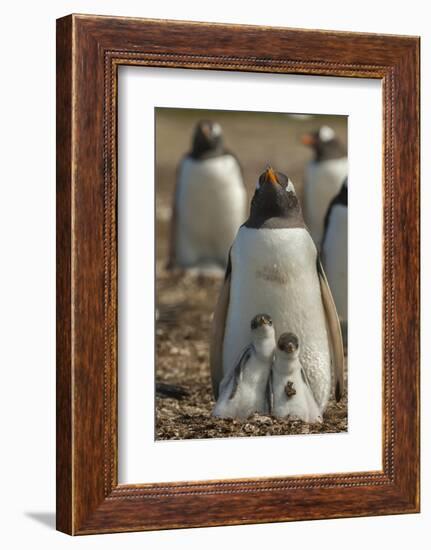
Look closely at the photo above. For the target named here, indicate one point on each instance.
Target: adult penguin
(334, 253)
(209, 203)
(323, 178)
(274, 267)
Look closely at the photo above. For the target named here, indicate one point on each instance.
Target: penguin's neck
(204, 153)
(289, 367)
(331, 150)
(290, 219)
(264, 347)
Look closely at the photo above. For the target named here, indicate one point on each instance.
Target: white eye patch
(216, 129)
(326, 133)
(290, 187)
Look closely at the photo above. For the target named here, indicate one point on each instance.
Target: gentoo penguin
(243, 390)
(274, 267)
(323, 178)
(334, 253)
(209, 203)
(290, 391)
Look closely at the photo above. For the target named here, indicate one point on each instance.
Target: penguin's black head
(261, 320)
(274, 198)
(207, 140)
(288, 342)
(325, 144)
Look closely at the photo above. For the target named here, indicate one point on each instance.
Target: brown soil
(185, 302)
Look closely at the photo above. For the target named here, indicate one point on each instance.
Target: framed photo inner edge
(89, 51)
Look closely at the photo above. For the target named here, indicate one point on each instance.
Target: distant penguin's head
(325, 144)
(207, 139)
(288, 345)
(273, 198)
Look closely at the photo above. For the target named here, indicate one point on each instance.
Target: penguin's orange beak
(308, 139)
(271, 176)
(206, 130)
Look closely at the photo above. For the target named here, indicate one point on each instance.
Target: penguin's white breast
(288, 371)
(211, 191)
(274, 272)
(211, 204)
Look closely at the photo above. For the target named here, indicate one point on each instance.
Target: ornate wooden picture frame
(89, 51)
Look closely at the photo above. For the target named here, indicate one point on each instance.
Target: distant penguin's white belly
(323, 181)
(211, 206)
(335, 257)
(274, 272)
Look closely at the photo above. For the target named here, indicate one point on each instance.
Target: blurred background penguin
(210, 202)
(334, 253)
(323, 177)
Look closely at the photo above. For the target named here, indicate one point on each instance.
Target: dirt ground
(185, 302)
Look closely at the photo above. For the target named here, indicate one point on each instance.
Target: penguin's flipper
(334, 328)
(305, 378)
(240, 168)
(270, 394)
(217, 333)
(239, 369)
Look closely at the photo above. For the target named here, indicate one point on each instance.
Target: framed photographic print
(237, 340)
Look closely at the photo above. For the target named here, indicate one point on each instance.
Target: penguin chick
(290, 391)
(243, 391)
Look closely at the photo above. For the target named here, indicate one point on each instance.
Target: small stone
(289, 389)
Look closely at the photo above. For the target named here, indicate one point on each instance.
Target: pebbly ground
(182, 355)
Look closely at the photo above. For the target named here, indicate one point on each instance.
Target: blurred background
(257, 139)
(185, 301)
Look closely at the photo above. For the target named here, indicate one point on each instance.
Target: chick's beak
(262, 321)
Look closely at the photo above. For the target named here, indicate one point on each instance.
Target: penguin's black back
(338, 200)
